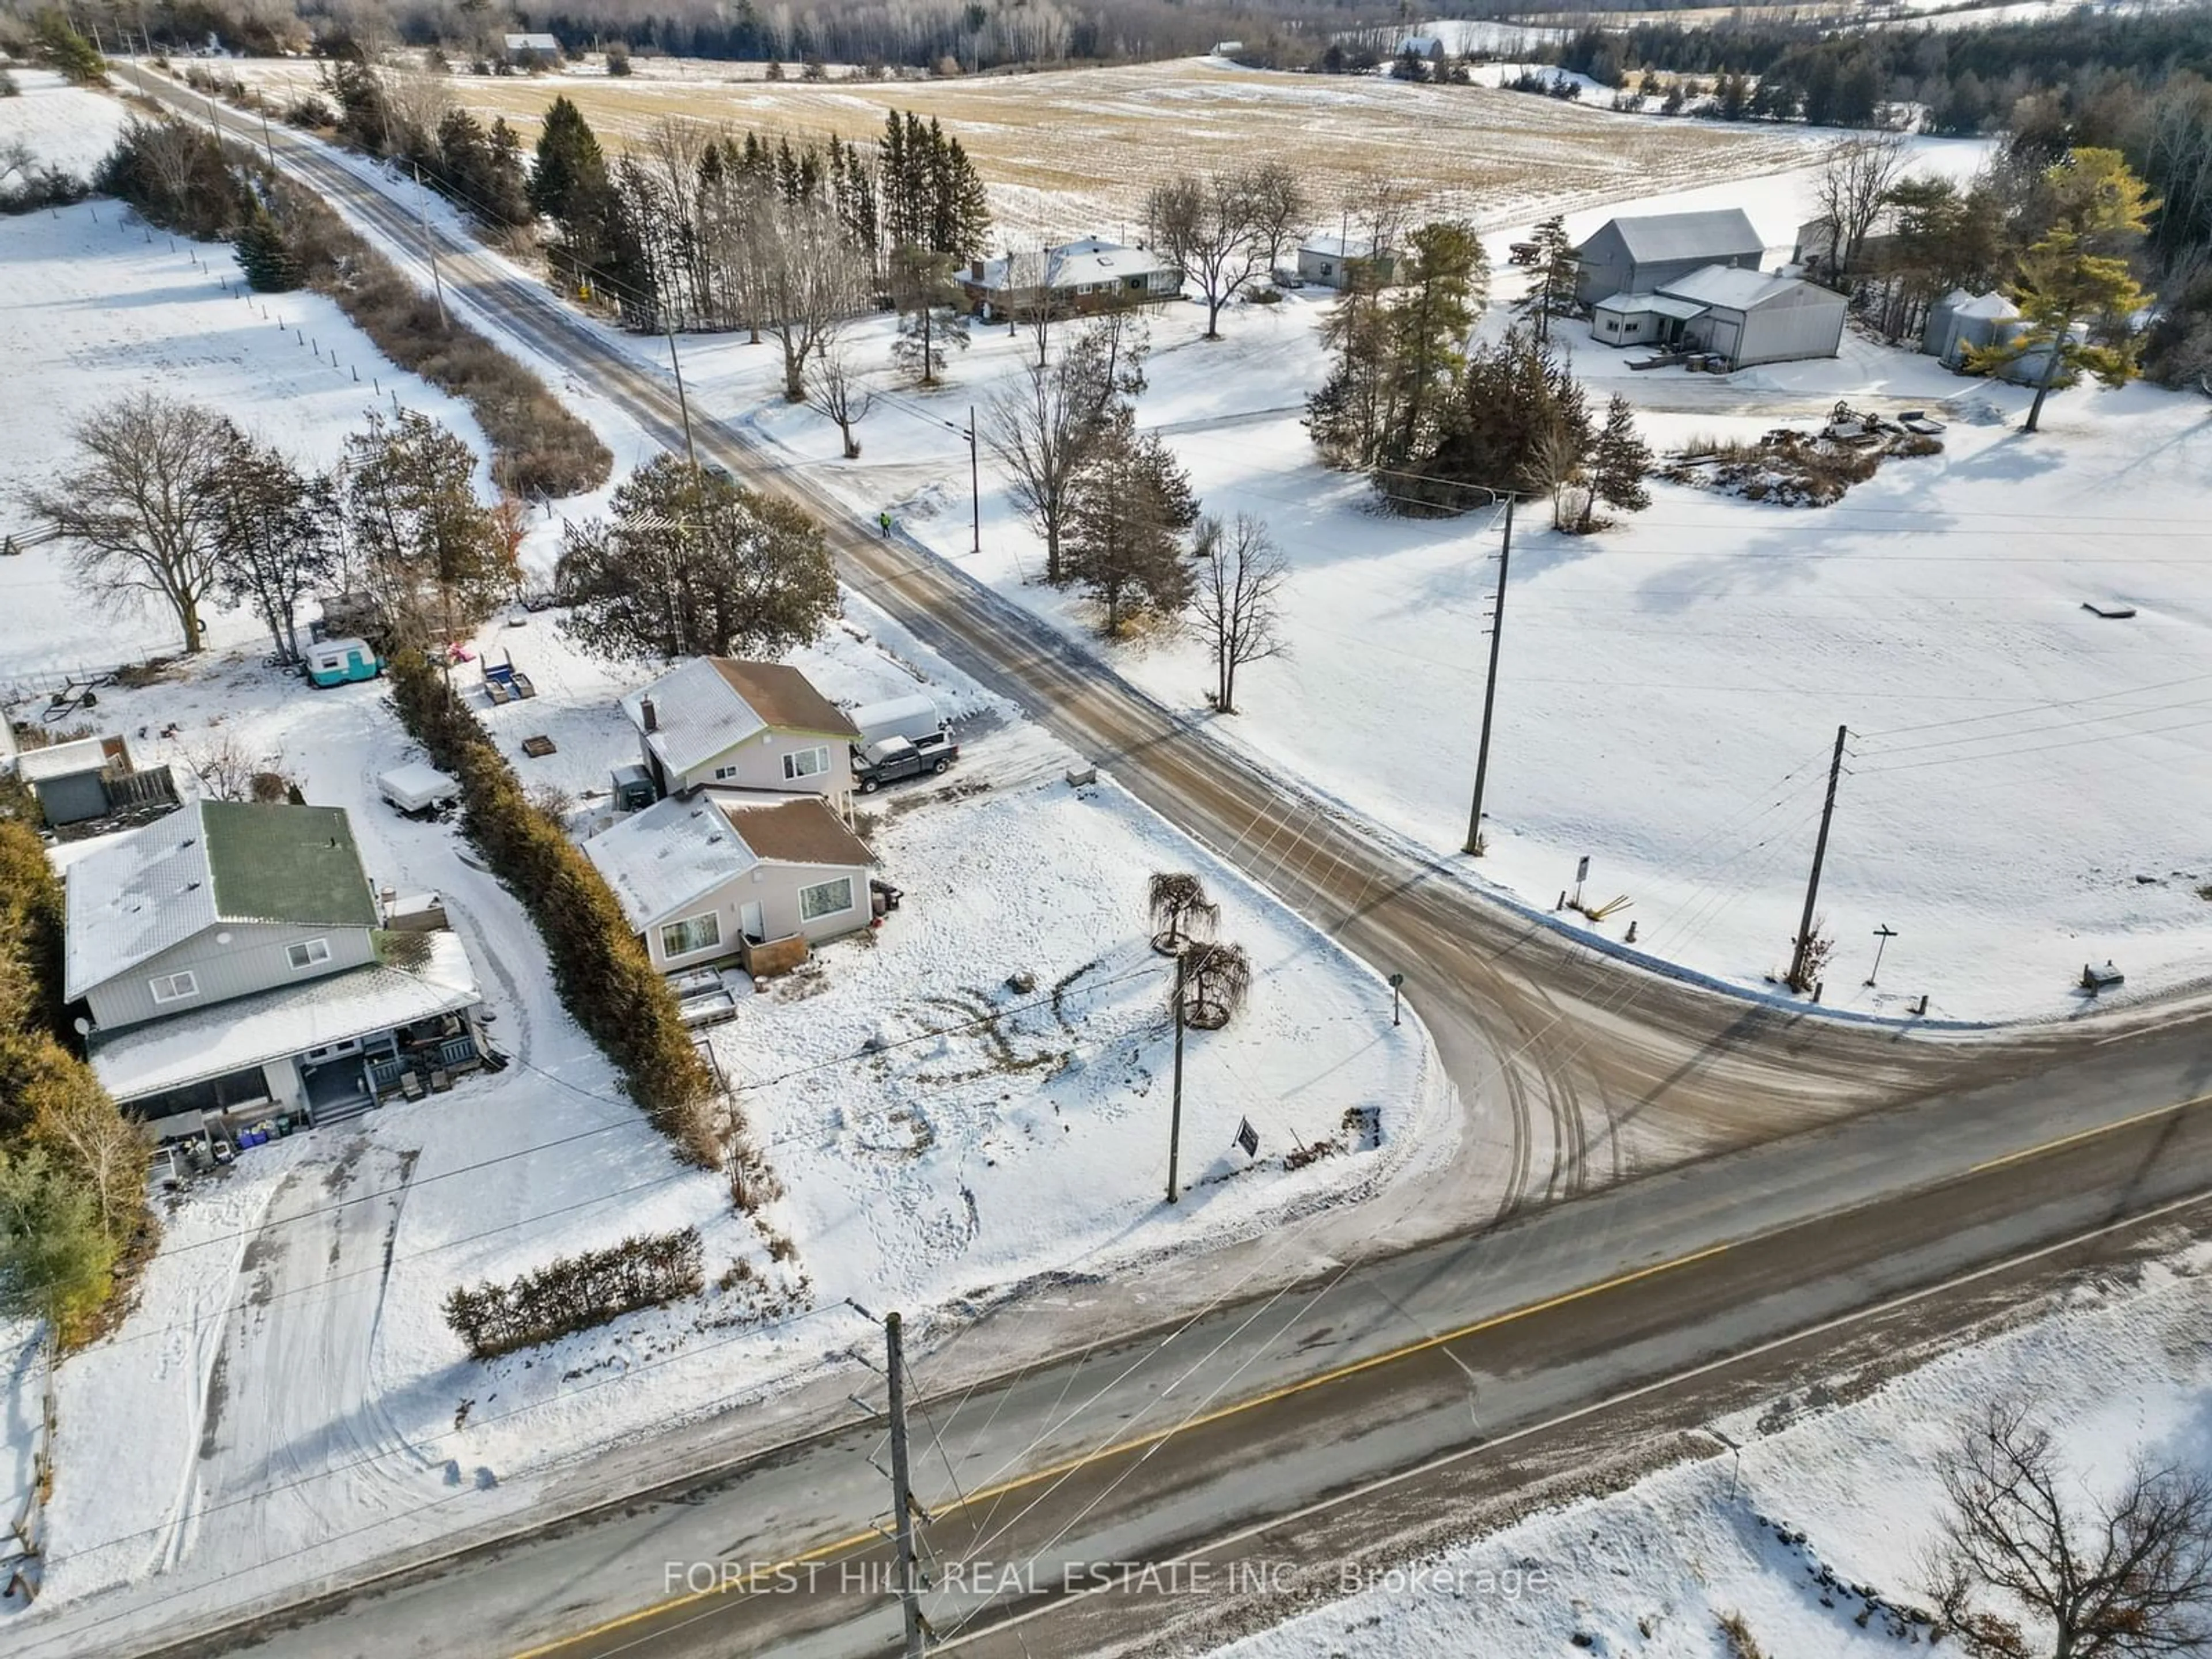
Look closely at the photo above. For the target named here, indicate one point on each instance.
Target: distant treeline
(962, 35)
(1961, 81)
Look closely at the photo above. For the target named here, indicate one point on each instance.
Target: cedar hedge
(77, 1229)
(601, 970)
(575, 1293)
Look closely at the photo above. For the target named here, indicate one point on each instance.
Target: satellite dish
(222, 939)
(83, 1026)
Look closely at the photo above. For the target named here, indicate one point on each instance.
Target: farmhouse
(758, 726)
(226, 956)
(1643, 254)
(531, 51)
(1330, 260)
(1075, 278)
(723, 873)
(1744, 316)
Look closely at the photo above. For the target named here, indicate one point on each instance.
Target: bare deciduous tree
(1043, 427)
(139, 510)
(835, 391)
(803, 275)
(1240, 572)
(1180, 910)
(1852, 189)
(1279, 206)
(2128, 1576)
(1211, 227)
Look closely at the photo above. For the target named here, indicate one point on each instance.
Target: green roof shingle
(286, 864)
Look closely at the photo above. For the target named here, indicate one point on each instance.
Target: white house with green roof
(229, 960)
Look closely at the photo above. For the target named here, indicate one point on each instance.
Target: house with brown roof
(726, 872)
(723, 723)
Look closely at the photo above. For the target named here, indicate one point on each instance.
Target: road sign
(1248, 1137)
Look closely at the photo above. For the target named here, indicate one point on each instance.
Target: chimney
(648, 714)
(975, 271)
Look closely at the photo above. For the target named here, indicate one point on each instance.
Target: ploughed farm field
(1076, 150)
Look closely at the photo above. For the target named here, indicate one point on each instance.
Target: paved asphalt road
(1577, 1072)
(1425, 1366)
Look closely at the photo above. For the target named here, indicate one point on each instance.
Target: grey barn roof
(1661, 238)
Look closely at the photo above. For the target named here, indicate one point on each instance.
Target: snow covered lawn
(2125, 1367)
(287, 1399)
(63, 126)
(96, 309)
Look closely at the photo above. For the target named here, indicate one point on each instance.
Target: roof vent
(191, 887)
(648, 714)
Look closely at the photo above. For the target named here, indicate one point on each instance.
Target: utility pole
(267, 143)
(1175, 1111)
(1490, 688)
(975, 487)
(1820, 852)
(682, 402)
(430, 248)
(903, 1493)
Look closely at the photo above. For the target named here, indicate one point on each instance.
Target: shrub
(574, 1293)
(176, 177)
(600, 968)
(538, 448)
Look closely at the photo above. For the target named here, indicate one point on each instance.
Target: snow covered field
(62, 126)
(2125, 1368)
(1065, 153)
(96, 309)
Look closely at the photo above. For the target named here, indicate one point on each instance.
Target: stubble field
(1073, 151)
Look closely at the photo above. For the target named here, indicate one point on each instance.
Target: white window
(173, 987)
(825, 899)
(806, 763)
(308, 953)
(693, 933)
(724, 773)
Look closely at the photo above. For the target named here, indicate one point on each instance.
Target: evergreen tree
(436, 561)
(61, 48)
(690, 563)
(1620, 460)
(1443, 280)
(57, 1263)
(963, 207)
(2077, 274)
(1557, 273)
(1346, 415)
(930, 315)
(571, 169)
(265, 255)
(1519, 424)
(1129, 508)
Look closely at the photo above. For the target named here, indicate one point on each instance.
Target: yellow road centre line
(1319, 1379)
(1136, 1443)
(2081, 1135)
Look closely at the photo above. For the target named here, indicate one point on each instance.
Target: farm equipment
(504, 682)
(1526, 253)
